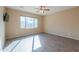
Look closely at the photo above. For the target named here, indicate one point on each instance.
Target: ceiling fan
(43, 9)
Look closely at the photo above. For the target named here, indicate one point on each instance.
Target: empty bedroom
(39, 29)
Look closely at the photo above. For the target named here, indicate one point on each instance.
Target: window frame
(34, 27)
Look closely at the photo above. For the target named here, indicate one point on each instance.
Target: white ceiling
(33, 9)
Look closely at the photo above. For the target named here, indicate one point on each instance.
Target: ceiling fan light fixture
(43, 9)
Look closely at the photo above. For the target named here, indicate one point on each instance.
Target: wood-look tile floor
(42, 43)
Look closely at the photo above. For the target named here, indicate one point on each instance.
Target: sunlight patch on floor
(11, 46)
(24, 46)
(37, 43)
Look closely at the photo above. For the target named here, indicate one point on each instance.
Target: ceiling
(34, 9)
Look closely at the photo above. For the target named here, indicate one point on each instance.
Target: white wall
(2, 28)
(64, 23)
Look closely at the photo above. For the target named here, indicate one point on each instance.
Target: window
(28, 22)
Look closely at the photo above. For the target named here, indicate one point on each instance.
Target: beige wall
(2, 28)
(13, 25)
(64, 23)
